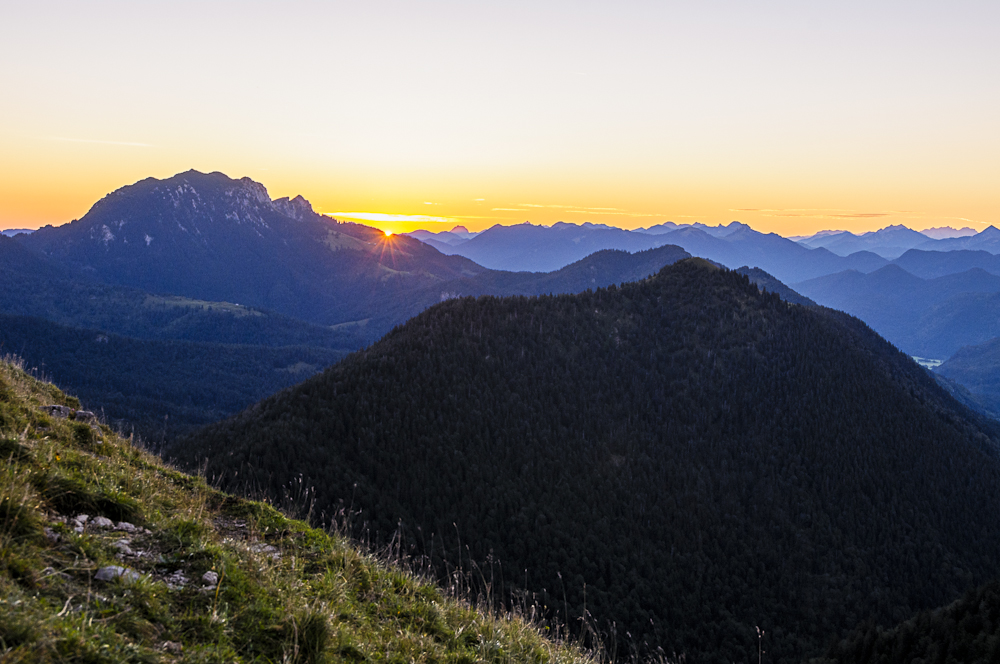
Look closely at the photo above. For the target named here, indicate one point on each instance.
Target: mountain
(765, 281)
(945, 232)
(107, 555)
(530, 248)
(539, 248)
(208, 237)
(788, 261)
(17, 259)
(986, 240)
(598, 270)
(665, 227)
(135, 313)
(158, 388)
(11, 232)
(888, 242)
(929, 318)
(682, 458)
(931, 264)
(978, 369)
(249, 353)
(455, 236)
(966, 630)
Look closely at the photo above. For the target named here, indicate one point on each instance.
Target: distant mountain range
(893, 241)
(926, 317)
(528, 247)
(978, 369)
(888, 242)
(543, 248)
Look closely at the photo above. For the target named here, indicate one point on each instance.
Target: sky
(792, 117)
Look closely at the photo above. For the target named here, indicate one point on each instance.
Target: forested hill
(683, 459)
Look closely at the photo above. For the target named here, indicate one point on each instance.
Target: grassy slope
(286, 592)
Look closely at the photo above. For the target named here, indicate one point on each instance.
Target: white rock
(126, 526)
(81, 518)
(113, 572)
(123, 547)
(211, 578)
(102, 522)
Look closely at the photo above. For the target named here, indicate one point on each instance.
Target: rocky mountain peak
(296, 208)
(255, 190)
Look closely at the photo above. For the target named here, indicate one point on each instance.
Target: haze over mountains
(184, 259)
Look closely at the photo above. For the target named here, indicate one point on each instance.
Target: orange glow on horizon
(831, 116)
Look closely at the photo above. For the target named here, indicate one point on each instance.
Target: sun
(388, 233)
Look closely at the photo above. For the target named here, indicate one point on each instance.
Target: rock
(84, 416)
(176, 580)
(81, 518)
(51, 535)
(264, 548)
(57, 411)
(113, 572)
(52, 571)
(123, 547)
(172, 647)
(78, 529)
(211, 578)
(126, 526)
(102, 522)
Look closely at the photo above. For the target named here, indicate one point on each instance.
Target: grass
(176, 301)
(285, 592)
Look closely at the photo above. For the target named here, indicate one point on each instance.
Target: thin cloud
(818, 213)
(99, 142)
(379, 216)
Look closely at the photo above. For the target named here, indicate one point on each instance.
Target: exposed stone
(123, 547)
(264, 548)
(51, 535)
(57, 411)
(176, 580)
(126, 526)
(112, 572)
(211, 578)
(84, 416)
(81, 518)
(172, 647)
(102, 522)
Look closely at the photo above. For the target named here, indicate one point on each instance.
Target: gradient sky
(790, 116)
